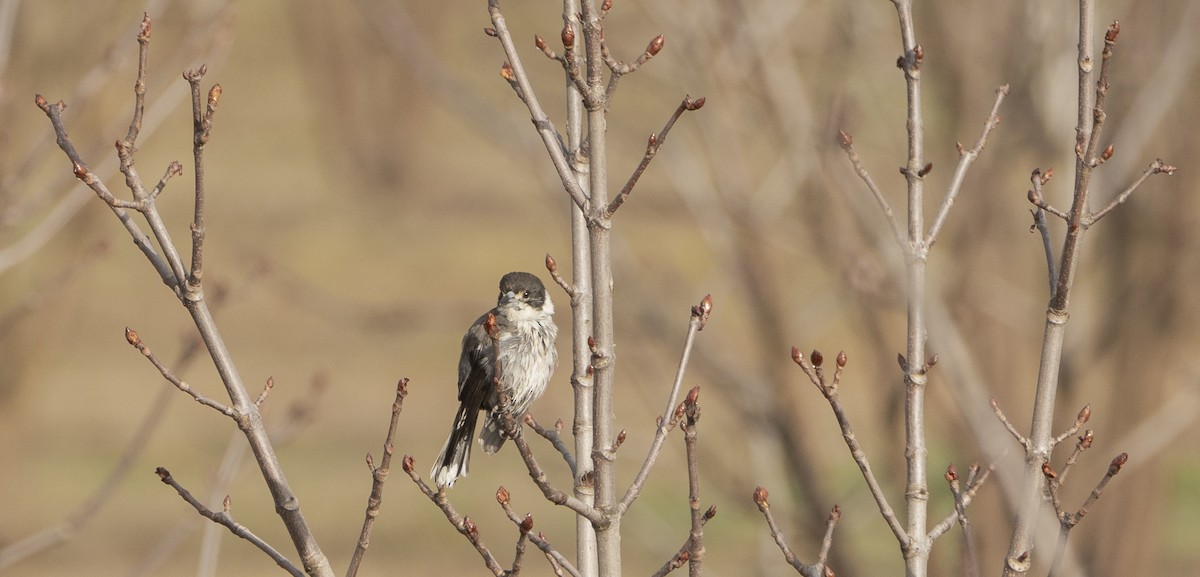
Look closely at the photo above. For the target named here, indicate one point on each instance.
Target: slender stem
(916, 547)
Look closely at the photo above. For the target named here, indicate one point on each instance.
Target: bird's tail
(455, 458)
(492, 437)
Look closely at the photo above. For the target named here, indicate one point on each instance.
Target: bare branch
(553, 435)
(132, 337)
(846, 141)
(816, 570)
(960, 507)
(525, 524)
(224, 518)
(84, 174)
(1012, 430)
(965, 159)
(830, 391)
(668, 420)
(464, 525)
(379, 477)
(545, 128)
(652, 145)
(976, 480)
(1156, 167)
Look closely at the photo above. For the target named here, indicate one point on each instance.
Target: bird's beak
(507, 298)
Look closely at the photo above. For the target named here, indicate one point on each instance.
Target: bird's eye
(526, 294)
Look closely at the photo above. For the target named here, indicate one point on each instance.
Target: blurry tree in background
(367, 146)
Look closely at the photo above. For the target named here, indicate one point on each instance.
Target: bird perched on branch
(524, 338)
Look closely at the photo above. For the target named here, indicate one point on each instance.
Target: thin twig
(1012, 429)
(846, 141)
(671, 414)
(85, 175)
(558, 562)
(960, 507)
(965, 159)
(379, 476)
(224, 518)
(553, 435)
(545, 127)
(652, 145)
(132, 337)
(815, 570)
(1156, 167)
(464, 525)
(830, 391)
(1039, 225)
(1068, 521)
(974, 482)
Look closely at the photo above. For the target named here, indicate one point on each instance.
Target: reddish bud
(558, 425)
(470, 527)
(919, 53)
(163, 473)
(1113, 30)
(132, 336)
(407, 464)
(1118, 462)
(81, 171)
(1033, 197)
(836, 513)
(527, 523)
(711, 512)
(844, 139)
(932, 361)
(653, 140)
(655, 45)
(227, 503)
(760, 497)
(683, 557)
(1048, 471)
(621, 438)
(693, 395)
(568, 37)
(951, 473)
(214, 95)
(902, 361)
(490, 31)
(1086, 440)
(506, 72)
(144, 34)
(1046, 175)
(502, 495)
(706, 305)
(689, 104)
(1084, 414)
(817, 358)
(959, 147)
(797, 356)
(1107, 154)
(551, 265)
(539, 42)
(40, 101)
(928, 168)
(370, 462)
(841, 359)
(606, 5)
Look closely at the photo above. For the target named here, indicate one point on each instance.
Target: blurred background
(370, 177)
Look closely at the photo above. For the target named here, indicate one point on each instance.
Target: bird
(525, 336)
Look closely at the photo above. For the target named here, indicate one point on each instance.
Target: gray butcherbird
(525, 335)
